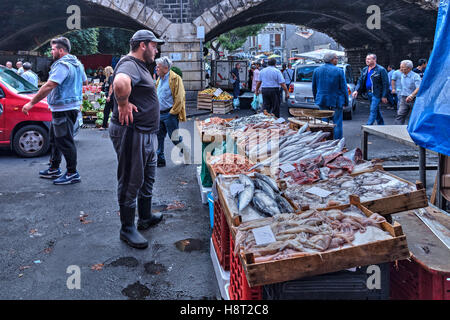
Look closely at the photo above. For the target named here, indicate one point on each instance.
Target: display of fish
(265, 204)
(310, 232)
(368, 186)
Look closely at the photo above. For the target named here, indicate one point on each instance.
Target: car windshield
(15, 82)
(305, 74)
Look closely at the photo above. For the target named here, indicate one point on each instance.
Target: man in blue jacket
(330, 90)
(64, 89)
(375, 81)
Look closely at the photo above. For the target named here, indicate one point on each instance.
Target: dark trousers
(271, 100)
(136, 170)
(168, 124)
(61, 139)
(108, 109)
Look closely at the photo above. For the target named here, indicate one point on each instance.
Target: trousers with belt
(271, 100)
(137, 159)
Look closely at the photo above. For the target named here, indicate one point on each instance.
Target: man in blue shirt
(64, 89)
(29, 75)
(330, 90)
(410, 87)
(270, 80)
(373, 80)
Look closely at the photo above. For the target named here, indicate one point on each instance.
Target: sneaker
(50, 173)
(68, 179)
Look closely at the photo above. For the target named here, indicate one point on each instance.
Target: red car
(27, 136)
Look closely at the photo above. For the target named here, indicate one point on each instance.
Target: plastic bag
(257, 102)
(236, 103)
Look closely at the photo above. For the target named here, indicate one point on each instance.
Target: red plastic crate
(239, 288)
(410, 280)
(221, 236)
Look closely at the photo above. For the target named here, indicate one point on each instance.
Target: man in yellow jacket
(172, 104)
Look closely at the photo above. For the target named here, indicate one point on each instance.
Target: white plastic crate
(203, 191)
(222, 276)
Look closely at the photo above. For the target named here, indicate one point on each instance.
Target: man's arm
(385, 81)
(314, 84)
(394, 88)
(43, 92)
(122, 91)
(343, 84)
(258, 85)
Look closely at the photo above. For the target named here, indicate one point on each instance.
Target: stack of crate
(222, 106)
(205, 101)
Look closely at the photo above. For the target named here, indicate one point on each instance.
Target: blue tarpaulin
(429, 124)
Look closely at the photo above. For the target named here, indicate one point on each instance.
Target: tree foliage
(113, 41)
(234, 39)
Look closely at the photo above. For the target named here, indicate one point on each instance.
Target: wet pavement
(44, 229)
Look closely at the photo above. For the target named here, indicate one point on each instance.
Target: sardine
(265, 204)
(268, 180)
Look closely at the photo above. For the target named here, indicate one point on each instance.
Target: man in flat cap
(133, 131)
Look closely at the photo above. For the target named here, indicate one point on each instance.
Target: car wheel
(347, 115)
(365, 96)
(31, 141)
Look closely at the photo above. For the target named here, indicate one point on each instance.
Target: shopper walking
(133, 131)
(330, 90)
(64, 89)
(29, 75)
(109, 93)
(172, 108)
(236, 85)
(373, 80)
(421, 66)
(410, 87)
(270, 80)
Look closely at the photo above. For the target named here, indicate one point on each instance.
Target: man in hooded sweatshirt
(64, 89)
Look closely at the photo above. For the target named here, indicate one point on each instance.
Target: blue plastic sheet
(429, 124)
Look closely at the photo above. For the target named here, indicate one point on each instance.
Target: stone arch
(36, 21)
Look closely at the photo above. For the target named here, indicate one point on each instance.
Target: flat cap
(145, 35)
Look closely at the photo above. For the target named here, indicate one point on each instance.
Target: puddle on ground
(136, 291)
(130, 262)
(189, 245)
(154, 268)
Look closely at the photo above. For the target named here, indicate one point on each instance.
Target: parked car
(301, 95)
(27, 136)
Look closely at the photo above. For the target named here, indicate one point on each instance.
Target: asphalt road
(42, 233)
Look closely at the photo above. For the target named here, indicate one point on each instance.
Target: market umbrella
(274, 56)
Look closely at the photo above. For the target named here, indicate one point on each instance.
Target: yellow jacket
(178, 94)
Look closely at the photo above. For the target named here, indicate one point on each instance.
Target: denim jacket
(71, 89)
(380, 82)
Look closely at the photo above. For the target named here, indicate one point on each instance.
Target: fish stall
(297, 204)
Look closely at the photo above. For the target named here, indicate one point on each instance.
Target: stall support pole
(422, 166)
